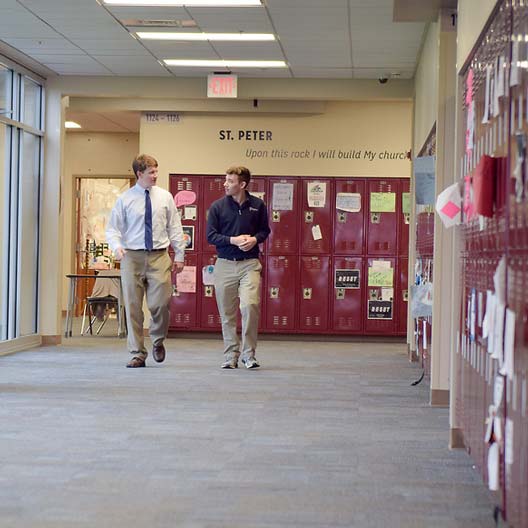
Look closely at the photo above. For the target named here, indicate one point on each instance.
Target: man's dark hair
(142, 163)
(242, 172)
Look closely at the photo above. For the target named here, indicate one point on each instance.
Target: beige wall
(348, 139)
(472, 15)
(426, 89)
(90, 154)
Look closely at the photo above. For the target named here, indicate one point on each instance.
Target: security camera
(383, 79)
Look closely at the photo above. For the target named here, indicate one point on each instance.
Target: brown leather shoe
(158, 353)
(136, 362)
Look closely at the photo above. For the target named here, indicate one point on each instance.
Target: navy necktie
(148, 222)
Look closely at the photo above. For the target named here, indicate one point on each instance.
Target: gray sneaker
(250, 363)
(230, 364)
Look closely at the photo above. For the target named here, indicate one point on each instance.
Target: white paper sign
(350, 202)
(316, 194)
(186, 280)
(498, 390)
(485, 117)
(509, 342)
(208, 275)
(493, 467)
(316, 232)
(189, 212)
(387, 294)
(282, 197)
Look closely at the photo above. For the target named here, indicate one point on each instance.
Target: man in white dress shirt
(144, 221)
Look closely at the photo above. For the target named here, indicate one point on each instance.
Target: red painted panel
(313, 294)
(183, 305)
(213, 189)
(402, 295)
(314, 217)
(347, 303)
(403, 242)
(283, 239)
(281, 288)
(190, 215)
(349, 226)
(382, 227)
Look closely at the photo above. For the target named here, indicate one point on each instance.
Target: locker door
(213, 189)
(281, 288)
(316, 216)
(349, 225)
(209, 316)
(402, 295)
(404, 215)
(282, 210)
(258, 186)
(313, 294)
(381, 283)
(382, 219)
(183, 303)
(189, 212)
(347, 285)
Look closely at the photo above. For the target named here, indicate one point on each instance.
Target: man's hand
(238, 240)
(248, 243)
(120, 253)
(177, 266)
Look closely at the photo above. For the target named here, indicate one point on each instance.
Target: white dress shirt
(126, 228)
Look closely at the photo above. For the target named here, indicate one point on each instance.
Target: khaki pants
(149, 273)
(236, 280)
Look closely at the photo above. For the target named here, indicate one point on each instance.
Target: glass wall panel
(32, 103)
(5, 133)
(28, 217)
(5, 91)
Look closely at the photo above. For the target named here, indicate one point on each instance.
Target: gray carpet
(323, 435)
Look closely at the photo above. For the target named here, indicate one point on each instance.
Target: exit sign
(222, 86)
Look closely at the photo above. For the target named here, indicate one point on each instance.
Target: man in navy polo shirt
(236, 225)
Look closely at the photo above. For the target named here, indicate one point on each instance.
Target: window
(21, 138)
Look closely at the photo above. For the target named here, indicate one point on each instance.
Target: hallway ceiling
(328, 39)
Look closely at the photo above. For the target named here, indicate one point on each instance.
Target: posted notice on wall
(349, 202)
(316, 194)
(282, 197)
(186, 280)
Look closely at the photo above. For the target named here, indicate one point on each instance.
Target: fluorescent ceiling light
(225, 63)
(188, 3)
(158, 35)
(71, 124)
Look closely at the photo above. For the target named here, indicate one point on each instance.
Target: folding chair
(103, 300)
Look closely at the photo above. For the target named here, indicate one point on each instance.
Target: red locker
(380, 300)
(183, 304)
(402, 295)
(281, 289)
(283, 216)
(180, 188)
(213, 189)
(316, 216)
(404, 215)
(349, 224)
(258, 186)
(313, 294)
(382, 218)
(347, 286)
(209, 316)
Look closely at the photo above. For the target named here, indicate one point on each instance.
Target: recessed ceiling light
(225, 63)
(158, 35)
(71, 124)
(189, 3)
